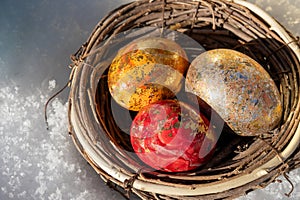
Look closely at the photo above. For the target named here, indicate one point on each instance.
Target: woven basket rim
(139, 183)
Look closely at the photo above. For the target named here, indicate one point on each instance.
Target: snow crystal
(52, 84)
(268, 8)
(56, 196)
(81, 196)
(42, 184)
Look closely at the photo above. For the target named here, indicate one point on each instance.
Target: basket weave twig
(240, 166)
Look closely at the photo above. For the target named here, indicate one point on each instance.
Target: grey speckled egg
(238, 88)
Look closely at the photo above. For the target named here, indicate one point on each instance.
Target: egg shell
(146, 70)
(238, 88)
(172, 136)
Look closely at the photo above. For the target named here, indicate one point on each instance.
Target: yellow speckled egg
(145, 71)
(238, 88)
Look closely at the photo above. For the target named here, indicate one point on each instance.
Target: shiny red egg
(172, 136)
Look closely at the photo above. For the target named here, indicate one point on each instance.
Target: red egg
(172, 136)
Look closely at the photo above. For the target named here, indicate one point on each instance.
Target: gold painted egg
(238, 88)
(145, 71)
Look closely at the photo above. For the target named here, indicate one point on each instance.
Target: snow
(278, 189)
(36, 163)
(285, 11)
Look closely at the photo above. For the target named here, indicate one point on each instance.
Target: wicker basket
(245, 163)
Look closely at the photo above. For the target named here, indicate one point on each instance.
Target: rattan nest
(240, 166)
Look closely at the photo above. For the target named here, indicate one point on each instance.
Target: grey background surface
(36, 39)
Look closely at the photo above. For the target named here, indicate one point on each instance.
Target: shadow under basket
(100, 128)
